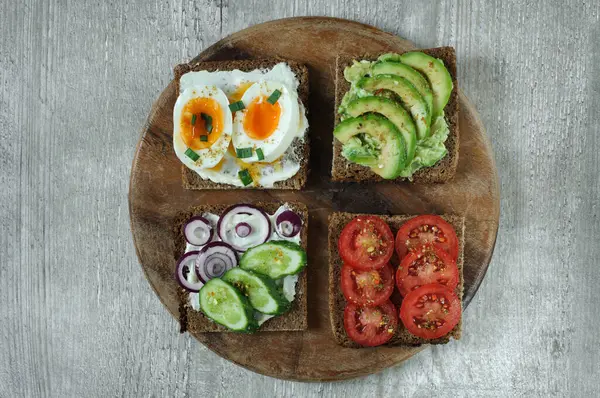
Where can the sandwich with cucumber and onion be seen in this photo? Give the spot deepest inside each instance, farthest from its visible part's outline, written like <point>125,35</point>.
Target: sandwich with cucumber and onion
<point>241,267</point>
<point>396,117</point>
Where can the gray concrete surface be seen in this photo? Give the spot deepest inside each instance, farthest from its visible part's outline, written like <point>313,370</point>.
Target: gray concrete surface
<point>77,79</point>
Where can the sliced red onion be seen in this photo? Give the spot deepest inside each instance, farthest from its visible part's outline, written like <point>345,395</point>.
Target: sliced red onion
<point>243,229</point>
<point>260,230</point>
<point>214,260</point>
<point>198,231</point>
<point>186,262</point>
<point>288,224</point>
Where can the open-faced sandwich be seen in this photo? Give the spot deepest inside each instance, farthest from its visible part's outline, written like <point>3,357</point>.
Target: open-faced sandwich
<point>242,124</point>
<point>395,280</point>
<point>396,117</point>
<point>241,267</point>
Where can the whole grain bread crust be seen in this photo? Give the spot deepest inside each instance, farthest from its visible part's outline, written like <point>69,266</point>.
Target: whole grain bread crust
<point>191,179</point>
<point>337,302</point>
<point>194,321</point>
<point>443,171</point>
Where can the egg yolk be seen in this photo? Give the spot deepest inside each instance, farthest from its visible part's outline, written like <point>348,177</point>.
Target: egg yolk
<point>194,125</point>
<point>261,118</point>
<point>239,92</point>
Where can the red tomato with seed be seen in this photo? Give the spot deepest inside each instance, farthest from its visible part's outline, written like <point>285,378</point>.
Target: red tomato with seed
<point>426,229</point>
<point>370,326</point>
<point>370,288</point>
<point>366,243</point>
<point>428,264</point>
<point>431,311</point>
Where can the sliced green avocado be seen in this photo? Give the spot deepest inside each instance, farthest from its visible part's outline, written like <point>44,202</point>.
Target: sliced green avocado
<point>436,73</point>
<point>372,140</point>
<point>389,94</point>
<point>392,57</point>
<point>409,96</point>
<point>405,71</point>
<point>394,112</point>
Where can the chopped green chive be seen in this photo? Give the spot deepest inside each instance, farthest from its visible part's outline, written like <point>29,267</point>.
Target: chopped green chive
<point>203,138</point>
<point>274,97</point>
<point>243,152</point>
<point>191,154</point>
<point>260,154</point>
<point>193,119</point>
<point>245,177</point>
<point>207,122</point>
<point>236,106</point>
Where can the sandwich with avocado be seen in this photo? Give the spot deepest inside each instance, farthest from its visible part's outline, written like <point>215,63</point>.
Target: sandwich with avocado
<point>396,117</point>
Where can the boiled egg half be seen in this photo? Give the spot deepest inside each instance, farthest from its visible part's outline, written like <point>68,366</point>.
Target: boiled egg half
<point>202,126</point>
<point>266,126</point>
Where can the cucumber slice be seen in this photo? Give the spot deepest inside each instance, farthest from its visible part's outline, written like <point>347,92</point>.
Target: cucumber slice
<point>262,291</point>
<point>275,259</point>
<point>225,305</point>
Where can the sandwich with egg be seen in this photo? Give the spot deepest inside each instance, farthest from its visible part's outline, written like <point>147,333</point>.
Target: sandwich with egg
<point>242,124</point>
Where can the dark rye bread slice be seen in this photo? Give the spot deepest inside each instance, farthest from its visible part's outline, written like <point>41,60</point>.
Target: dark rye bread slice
<point>195,321</point>
<point>191,180</point>
<point>337,302</point>
<point>444,170</point>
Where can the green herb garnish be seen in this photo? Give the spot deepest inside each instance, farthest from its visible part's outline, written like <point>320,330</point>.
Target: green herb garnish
<point>245,177</point>
<point>236,106</point>
<point>204,138</point>
<point>193,119</point>
<point>243,153</point>
<point>274,97</point>
<point>207,122</point>
<point>260,154</point>
<point>191,154</point>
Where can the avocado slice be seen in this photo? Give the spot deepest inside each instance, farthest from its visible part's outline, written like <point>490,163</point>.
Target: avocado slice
<point>393,57</point>
<point>436,73</point>
<point>372,140</point>
<point>405,71</point>
<point>409,96</point>
<point>395,114</point>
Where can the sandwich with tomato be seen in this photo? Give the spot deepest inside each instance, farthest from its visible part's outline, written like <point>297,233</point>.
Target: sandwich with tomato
<point>395,280</point>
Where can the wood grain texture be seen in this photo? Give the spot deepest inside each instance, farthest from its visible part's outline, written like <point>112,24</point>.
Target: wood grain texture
<point>156,195</point>
<point>77,317</point>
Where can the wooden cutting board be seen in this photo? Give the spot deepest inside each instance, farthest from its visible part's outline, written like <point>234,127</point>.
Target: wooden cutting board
<point>156,195</point>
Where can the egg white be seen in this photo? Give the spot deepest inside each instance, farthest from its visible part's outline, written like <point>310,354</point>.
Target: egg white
<point>208,157</point>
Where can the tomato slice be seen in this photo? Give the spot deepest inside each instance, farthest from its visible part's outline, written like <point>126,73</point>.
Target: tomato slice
<point>366,243</point>
<point>430,311</point>
<point>426,229</point>
<point>371,326</point>
<point>428,264</point>
<point>371,287</point>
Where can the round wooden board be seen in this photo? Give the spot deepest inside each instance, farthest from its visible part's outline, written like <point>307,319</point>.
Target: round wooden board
<point>156,195</point>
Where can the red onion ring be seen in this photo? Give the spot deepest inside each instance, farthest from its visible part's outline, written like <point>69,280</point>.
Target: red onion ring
<point>288,224</point>
<point>243,229</point>
<point>225,225</point>
<point>214,260</point>
<point>198,231</point>
<point>188,260</point>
